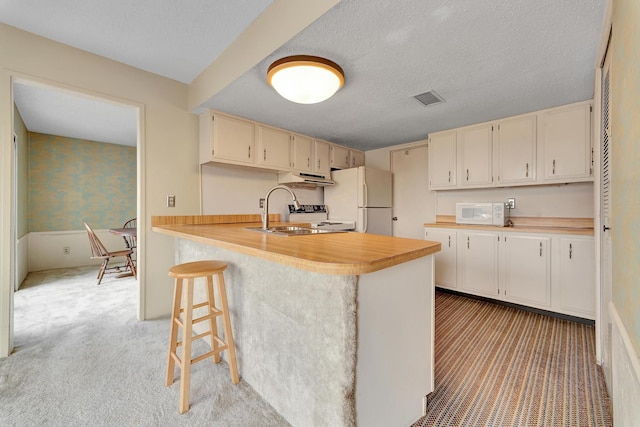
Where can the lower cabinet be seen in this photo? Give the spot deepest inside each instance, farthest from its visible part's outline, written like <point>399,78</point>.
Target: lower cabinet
<point>446,260</point>
<point>547,271</point>
<point>479,263</point>
<point>577,270</point>
<point>526,269</point>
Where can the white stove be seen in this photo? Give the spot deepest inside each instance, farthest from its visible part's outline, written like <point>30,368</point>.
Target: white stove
<point>317,216</point>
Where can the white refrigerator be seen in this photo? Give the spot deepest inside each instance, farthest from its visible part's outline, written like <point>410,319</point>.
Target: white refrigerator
<point>363,195</point>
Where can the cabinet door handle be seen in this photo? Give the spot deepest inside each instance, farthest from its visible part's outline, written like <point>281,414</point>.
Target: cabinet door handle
<point>249,151</point>
<point>468,243</point>
<point>449,241</point>
<point>449,176</point>
<point>540,248</point>
<point>553,171</point>
<point>308,165</point>
<point>527,172</point>
<point>570,250</point>
<point>467,174</point>
<point>264,154</point>
<point>318,163</point>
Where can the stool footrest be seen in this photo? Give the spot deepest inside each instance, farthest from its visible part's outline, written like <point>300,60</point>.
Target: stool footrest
<point>202,304</point>
<point>208,354</point>
<point>215,313</point>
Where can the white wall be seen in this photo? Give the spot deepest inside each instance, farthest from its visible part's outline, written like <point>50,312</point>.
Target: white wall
<point>235,189</point>
<point>168,162</point>
<point>46,249</point>
<point>566,200</point>
<point>22,261</point>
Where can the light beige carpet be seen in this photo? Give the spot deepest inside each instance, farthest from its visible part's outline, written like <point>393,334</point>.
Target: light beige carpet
<point>499,366</point>
<point>83,359</point>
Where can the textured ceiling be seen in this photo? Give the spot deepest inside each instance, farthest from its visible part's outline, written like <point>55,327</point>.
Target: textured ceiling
<point>488,59</point>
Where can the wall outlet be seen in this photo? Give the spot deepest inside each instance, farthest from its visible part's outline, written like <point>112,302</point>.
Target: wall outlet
<point>512,203</point>
<point>66,250</point>
<point>261,203</point>
<point>171,201</point>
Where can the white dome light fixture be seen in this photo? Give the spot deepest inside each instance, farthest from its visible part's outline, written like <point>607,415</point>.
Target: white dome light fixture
<point>305,79</point>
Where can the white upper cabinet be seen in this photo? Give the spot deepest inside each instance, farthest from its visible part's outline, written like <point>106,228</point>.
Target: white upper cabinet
<point>548,146</point>
<point>302,153</point>
<point>567,144</point>
<point>226,138</point>
<point>442,160</point>
<point>274,147</point>
<point>475,148</point>
<point>339,157</point>
<point>515,150</point>
<point>234,140</point>
<point>322,158</point>
<point>357,158</point>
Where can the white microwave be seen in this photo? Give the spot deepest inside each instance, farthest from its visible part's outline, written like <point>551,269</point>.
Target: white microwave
<point>482,214</point>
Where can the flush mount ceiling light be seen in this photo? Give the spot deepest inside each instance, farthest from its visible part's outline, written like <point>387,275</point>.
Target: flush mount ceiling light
<point>305,79</point>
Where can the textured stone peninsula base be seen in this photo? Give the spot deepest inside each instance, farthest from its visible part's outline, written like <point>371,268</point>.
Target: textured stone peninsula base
<point>325,349</point>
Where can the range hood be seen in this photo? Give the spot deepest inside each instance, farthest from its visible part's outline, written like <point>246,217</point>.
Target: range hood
<point>301,179</point>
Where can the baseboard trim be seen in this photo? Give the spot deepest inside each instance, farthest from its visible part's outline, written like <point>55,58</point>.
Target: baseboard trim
<point>522,307</point>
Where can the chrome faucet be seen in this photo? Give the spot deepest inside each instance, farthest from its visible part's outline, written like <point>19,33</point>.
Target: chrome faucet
<point>265,209</point>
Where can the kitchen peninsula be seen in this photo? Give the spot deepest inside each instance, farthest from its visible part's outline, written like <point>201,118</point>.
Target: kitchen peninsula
<point>333,329</point>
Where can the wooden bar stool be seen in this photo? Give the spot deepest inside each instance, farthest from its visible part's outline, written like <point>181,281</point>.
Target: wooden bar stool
<point>191,271</point>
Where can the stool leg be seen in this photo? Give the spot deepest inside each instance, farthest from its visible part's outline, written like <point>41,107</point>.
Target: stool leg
<point>185,374</point>
<point>213,322</point>
<point>228,335</point>
<point>173,336</point>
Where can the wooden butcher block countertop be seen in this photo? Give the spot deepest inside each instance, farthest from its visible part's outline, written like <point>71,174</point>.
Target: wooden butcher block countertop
<point>579,226</point>
<point>332,253</point>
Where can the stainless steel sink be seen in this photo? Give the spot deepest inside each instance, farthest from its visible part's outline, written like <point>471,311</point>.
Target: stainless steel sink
<point>290,230</point>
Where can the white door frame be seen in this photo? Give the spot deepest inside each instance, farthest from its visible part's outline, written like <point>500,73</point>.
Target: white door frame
<point>7,184</point>
<point>601,304</point>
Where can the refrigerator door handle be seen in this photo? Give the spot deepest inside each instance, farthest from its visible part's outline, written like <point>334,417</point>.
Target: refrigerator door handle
<point>365,190</point>
<point>364,220</point>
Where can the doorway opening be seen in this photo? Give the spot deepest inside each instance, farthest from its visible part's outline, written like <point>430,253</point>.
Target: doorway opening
<point>96,143</point>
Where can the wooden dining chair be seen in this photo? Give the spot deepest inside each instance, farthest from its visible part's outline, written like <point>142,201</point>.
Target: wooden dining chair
<point>99,251</point>
<point>130,241</point>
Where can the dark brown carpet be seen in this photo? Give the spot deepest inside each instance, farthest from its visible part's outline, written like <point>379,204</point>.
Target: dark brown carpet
<point>500,366</point>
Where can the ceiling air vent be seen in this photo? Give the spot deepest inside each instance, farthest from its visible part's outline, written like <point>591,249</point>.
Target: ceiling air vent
<point>429,98</point>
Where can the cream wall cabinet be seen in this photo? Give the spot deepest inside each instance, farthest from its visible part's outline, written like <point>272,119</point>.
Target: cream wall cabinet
<point>226,138</point>
<point>274,147</point>
<point>515,150</point>
<point>551,272</point>
<point>577,272</point>
<point>322,157</point>
<point>475,155</point>
<point>479,263</point>
<point>548,146</point>
<point>356,158</point>
<point>442,160</point>
<point>567,144</point>
<point>302,153</point>
<point>446,274</point>
<point>526,269</point>
<point>339,157</point>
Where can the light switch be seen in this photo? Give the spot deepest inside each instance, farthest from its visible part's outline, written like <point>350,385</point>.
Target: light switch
<point>171,201</point>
